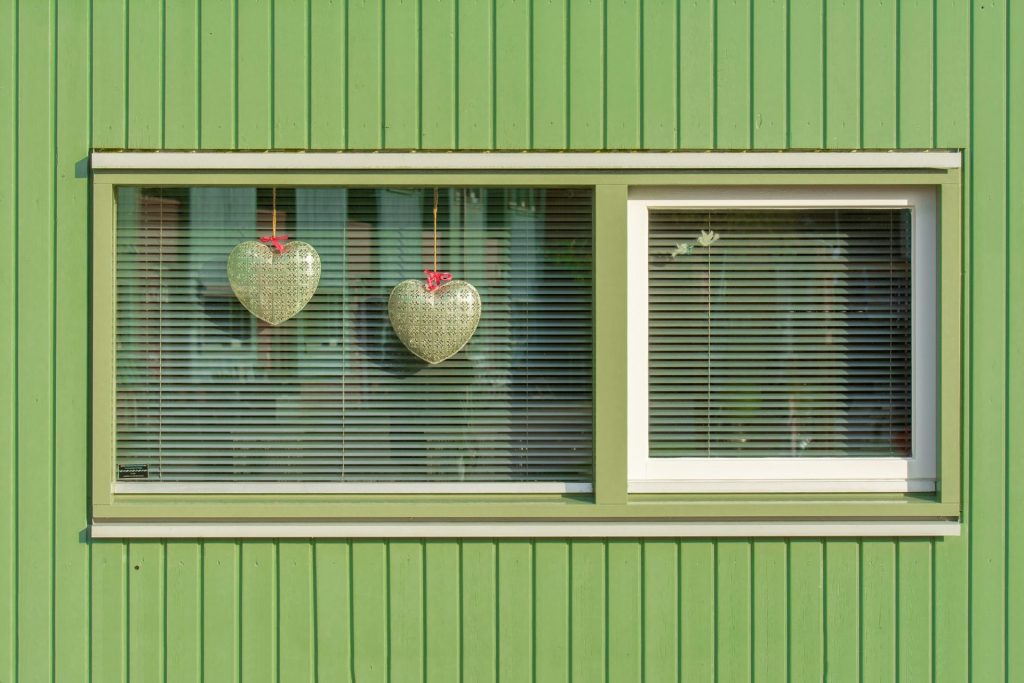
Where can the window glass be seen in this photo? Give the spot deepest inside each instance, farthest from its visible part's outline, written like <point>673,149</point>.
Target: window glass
<point>781,332</point>
<point>206,392</point>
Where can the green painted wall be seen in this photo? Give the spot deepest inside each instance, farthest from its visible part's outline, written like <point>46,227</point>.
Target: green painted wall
<point>730,74</point>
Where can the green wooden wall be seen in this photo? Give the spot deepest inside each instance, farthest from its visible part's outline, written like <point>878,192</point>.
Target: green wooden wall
<point>500,74</point>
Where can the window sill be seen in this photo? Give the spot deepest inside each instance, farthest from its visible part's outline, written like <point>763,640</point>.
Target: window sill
<point>562,516</point>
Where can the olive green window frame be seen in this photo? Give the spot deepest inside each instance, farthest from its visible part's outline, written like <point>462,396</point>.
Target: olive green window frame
<point>609,509</point>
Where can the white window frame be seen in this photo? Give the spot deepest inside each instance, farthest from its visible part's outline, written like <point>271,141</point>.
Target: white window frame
<point>789,474</point>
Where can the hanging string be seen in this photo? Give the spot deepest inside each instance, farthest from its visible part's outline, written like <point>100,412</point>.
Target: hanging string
<point>273,238</point>
<point>435,278</point>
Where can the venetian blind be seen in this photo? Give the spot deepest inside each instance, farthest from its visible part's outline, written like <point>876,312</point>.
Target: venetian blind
<point>788,336</point>
<point>206,392</point>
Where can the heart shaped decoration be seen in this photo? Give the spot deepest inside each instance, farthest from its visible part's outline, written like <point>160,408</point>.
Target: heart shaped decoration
<point>434,325</point>
<point>274,285</point>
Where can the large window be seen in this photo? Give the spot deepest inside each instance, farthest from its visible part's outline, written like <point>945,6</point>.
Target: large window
<point>759,343</point>
<point>211,398</point>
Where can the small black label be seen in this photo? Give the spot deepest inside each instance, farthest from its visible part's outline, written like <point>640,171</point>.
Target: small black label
<point>133,471</point>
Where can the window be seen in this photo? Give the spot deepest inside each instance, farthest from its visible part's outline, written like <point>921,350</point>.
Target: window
<point>210,398</point>
<point>671,344</point>
<point>794,352</point>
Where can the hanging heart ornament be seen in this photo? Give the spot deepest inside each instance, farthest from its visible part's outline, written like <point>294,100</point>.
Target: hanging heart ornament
<point>274,282</point>
<point>434,324</point>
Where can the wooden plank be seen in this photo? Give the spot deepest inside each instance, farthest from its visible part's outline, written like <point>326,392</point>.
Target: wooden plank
<point>109,122</point>
<point>475,86</point>
<point>551,610</point>
<point>181,75</point>
<point>512,92</point>
<point>952,73</point>
<point>259,601</point>
<point>661,609</point>
<point>769,645</point>
<point>807,69</point>
<point>109,653</point>
<point>588,610</point>
<point>842,74</point>
<point>878,91</point>
<point>327,54</point>
<point>217,115</point>
<point>146,600</point>
<point>806,622</point>
<point>364,63</point>
<point>369,611</point>
<point>183,614</point>
<point>437,64</point>
<point>295,618</point>
<point>696,75</point>
<point>986,512</point>
<point>401,75</point>
<point>441,591</point>
<point>952,114</point>
<point>334,633</point>
<point>770,87</point>
<point>660,78</point>
<point>625,606</point>
<point>913,610</point>
<point>1015,344</point>
<point>842,610</point>
<point>34,396</point>
<point>291,74</point>
<point>8,342</point>
<point>586,79</point>
<point>878,610</point>
<point>71,456</point>
<point>697,610</point>
<point>916,70</point>
<point>145,90</point>
<point>622,75</point>
<point>255,79</point>
<point>478,618</point>
<point>406,599</point>
<point>549,60</point>
<point>220,610</point>
<point>733,111</point>
<point>732,620</point>
<point>515,610</point>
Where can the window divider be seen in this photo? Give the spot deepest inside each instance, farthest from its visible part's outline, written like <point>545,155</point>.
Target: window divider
<point>610,350</point>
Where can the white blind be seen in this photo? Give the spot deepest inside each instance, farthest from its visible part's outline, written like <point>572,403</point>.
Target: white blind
<point>206,392</point>
<point>788,336</point>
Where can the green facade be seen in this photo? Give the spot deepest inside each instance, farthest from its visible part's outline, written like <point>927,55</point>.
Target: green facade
<point>534,74</point>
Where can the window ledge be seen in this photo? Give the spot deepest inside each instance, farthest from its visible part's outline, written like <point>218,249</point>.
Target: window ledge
<point>526,529</point>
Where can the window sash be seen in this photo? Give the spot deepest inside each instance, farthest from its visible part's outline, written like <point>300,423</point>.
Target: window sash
<point>916,473</point>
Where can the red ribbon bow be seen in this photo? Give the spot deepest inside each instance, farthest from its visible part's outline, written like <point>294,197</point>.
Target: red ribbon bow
<point>435,278</point>
<point>276,241</point>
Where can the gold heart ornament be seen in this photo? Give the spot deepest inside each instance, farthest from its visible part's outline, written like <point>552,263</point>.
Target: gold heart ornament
<point>274,285</point>
<point>434,325</point>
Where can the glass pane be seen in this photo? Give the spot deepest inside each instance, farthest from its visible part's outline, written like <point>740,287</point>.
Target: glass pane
<point>788,335</point>
<point>207,392</point>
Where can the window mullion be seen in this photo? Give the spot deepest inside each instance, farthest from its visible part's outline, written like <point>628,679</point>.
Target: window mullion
<point>610,351</point>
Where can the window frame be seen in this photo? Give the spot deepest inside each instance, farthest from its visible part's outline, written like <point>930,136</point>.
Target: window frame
<point>610,510</point>
<point>916,473</point>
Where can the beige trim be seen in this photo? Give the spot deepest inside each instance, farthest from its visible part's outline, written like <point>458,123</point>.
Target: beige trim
<point>504,161</point>
<point>575,529</point>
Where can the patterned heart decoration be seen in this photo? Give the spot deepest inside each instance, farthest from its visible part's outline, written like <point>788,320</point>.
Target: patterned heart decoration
<point>274,283</point>
<point>434,324</point>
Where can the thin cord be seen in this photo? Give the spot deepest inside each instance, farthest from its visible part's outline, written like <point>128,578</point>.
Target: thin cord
<point>273,212</point>
<point>435,229</point>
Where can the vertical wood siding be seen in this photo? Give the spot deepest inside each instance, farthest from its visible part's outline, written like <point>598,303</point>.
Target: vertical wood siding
<point>515,74</point>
